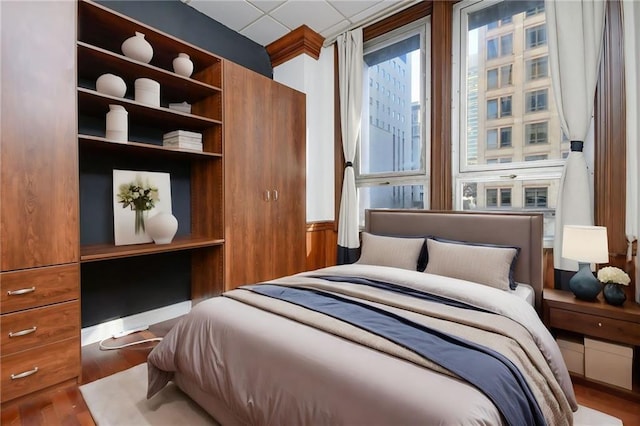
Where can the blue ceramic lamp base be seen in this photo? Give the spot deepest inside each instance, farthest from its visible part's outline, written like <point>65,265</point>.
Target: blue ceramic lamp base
<point>584,284</point>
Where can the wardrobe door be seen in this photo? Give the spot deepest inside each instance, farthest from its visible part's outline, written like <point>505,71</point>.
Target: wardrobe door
<point>38,140</point>
<point>247,132</point>
<point>288,177</point>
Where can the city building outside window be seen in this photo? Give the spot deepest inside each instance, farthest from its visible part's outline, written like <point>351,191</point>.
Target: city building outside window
<point>519,122</point>
<point>392,161</point>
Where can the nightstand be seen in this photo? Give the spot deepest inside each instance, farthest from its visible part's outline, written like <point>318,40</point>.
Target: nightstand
<point>615,324</point>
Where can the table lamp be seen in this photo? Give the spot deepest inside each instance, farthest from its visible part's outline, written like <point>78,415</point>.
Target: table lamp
<point>587,245</point>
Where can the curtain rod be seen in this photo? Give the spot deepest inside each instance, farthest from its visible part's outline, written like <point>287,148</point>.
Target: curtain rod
<point>400,5</point>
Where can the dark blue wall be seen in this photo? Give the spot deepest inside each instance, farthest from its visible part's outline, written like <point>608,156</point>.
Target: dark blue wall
<point>183,21</point>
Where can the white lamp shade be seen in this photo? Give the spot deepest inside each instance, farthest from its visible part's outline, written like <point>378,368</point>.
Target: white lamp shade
<point>587,244</point>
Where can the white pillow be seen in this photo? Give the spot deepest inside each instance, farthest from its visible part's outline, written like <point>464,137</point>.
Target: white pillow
<point>390,251</point>
<point>480,264</point>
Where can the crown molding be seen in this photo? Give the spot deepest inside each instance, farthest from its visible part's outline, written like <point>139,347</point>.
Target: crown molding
<point>301,40</point>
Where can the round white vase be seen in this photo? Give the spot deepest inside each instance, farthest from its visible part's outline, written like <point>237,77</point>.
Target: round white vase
<point>117,123</point>
<point>111,84</point>
<point>137,48</point>
<point>162,227</point>
<point>183,65</point>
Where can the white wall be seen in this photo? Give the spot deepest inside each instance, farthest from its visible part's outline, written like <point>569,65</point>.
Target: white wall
<point>315,79</point>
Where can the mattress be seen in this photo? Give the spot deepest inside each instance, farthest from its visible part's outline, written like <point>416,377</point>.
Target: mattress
<point>248,363</point>
<point>526,292</point>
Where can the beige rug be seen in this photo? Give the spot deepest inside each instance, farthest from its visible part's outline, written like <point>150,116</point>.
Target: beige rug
<point>120,400</point>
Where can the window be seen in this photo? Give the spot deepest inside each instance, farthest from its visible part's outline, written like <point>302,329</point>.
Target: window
<point>536,133</point>
<point>536,100</point>
<point>492,109</point>
<point>391,162</point>
<point>492,48</point>
<point>535,197</point>
<point>492,139</point>
<point>537,68</point>
<point>498,197</point>
<point>492,78</point>
<point>508,153</point>
<point>534,10</point>
<point>506,45</point>
<point>536,36</point>
<point>505,138</point>
<point>503,111</point>
<point>505,75</point>
<point>505,106</point>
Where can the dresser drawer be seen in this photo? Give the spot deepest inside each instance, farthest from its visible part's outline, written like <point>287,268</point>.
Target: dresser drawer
<point>40,326</point>
<point>39,368</point>
<point>596,326</point>
<point>31,288</point>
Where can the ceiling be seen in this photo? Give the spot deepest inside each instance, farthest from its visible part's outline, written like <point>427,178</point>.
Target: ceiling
<point>265,21</point>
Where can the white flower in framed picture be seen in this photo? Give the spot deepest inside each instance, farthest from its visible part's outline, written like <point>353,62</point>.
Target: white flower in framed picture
<point>138,195</point>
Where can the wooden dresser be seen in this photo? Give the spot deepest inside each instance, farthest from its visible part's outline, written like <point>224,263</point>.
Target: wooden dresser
<point>39,230</point>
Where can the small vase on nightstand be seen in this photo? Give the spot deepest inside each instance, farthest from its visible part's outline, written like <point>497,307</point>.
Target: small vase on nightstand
<point>614,294</point>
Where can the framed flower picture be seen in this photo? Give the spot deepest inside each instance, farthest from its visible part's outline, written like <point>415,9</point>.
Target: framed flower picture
<point>138,195</point>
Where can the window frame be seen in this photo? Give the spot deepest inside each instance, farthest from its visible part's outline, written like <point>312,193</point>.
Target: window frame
<point>422,175</point>
<point>487,175</point>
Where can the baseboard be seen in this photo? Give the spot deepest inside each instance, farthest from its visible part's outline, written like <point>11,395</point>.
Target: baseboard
<point>101,331</point>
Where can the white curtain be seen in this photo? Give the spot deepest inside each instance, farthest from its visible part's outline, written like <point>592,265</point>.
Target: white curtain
<point>350,80</point>
<point>631,20</point>
<point>574,32</point>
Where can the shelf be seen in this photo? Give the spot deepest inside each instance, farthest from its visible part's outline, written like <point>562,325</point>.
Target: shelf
<point>99,142</point>
<point>94,61</point>
<point>106,28</point>
<point>94,103</point>
<point>95,253</point>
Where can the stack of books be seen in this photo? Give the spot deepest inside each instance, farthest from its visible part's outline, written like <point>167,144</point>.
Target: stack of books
<point>183,139</point>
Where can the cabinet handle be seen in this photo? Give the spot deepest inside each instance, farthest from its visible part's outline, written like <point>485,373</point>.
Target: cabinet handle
<point>24,374</point>
<point>599,324</point>
<point>267,195</point>
<point>21,291</point>
<point>275,195</point>
<point>23,332</point>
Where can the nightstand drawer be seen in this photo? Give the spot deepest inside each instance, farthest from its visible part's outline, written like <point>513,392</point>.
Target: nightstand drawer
<point>594,325</point>
<point>39,368</point>
<point>38,287</point>
<point>36,327</point>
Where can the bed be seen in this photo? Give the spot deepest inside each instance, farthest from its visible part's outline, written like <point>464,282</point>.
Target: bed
<point>381,341</point>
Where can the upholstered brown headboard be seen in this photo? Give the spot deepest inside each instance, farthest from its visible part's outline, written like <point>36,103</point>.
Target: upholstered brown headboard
<point>522,230</point>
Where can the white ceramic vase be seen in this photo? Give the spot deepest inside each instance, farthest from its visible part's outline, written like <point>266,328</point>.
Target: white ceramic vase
<point>162,227</point>
<point>147,91</point>
<point>112,85</point>
<point>182,65</point>
<point>137,48</point>
<point>117,123</point>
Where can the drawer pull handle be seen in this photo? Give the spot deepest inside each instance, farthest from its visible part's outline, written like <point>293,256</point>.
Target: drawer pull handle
<point>23,332</point>
<point>599,324</point>
<point>21,291</point>
<point>24,374</point>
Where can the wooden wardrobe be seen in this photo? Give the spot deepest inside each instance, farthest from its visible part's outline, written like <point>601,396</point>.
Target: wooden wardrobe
<point>39,230</point>
<point>264,173</point>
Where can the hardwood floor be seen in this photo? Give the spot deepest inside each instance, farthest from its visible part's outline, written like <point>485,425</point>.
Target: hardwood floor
<point>66,407</point>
